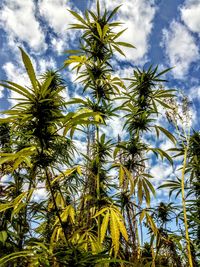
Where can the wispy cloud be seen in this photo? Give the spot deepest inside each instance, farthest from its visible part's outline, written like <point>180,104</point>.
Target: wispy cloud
<point>180,48</point>
<point>190,14</point>
<point>18,20</point>
<point>58,18</point>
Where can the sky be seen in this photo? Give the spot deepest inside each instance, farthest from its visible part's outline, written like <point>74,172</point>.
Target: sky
<point>164,32</point>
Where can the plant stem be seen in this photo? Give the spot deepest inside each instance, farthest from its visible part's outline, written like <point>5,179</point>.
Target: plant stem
<point>184,207</point>
<point>55,205</point>
<point>153,257</point>
<point>98,188</point>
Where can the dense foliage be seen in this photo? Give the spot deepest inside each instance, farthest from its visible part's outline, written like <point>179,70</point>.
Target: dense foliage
<point>97,207</point>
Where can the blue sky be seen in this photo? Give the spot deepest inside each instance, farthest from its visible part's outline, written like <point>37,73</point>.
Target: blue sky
<point>165,32</point>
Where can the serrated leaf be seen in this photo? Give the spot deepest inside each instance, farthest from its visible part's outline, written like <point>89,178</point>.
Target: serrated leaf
<point>21,88</point>
<point>125,44</point>
<point>99,29</point>
<point>100,212</point>
<point>3,236</point>
<point>119,50</point>
<point>105,29</point>
<point>142,214</point>
<point>29,68</point>
<point>113,13</point>
<point>122,229</point>
<point>166,133</point>
<point>78,17</point>
<point>121,175</point>
<point>114,229</point>
<point>104,226</point>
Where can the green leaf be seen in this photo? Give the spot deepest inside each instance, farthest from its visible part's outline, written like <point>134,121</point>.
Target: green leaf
<point>142,214</point>
<point>164,71</point>
<point>12,256</point>
<point>118,50</point>
<point>16,90</point>
<point>121,175</point>
<point>140,191</point>
<point>150,186</point>
<point>119,34</point>
<point>162,154</point>
<point>163,104</point>
<point>46,85</point>
<point>72,51</point>
<point>98,9</point>
<point>105,29</point>
<point>99,29</point>
<point>77,26</point>
<point>17,209</point>
<point>104,226</point>
<point>21,88</point>
<point>125,44</point>
<point>167,133</point>
<point>122,228</point>
<point>147,193</point>
<point>100,212</point>
<point>29,68</point>
<point>113,13</point>
<point>151,223</point>
<point>78,17</point>
<point>114,229</point>
<point>3,236</point>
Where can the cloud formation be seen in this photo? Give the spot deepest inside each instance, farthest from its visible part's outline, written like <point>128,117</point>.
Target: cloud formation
<point>180,48</point>
<point>190,14</point>
<point>18,20</point>
<point>59,19</point>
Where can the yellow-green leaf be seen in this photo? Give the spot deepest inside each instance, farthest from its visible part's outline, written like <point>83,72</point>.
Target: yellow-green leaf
<point>114,230</point>
<point>122,229</point>
<point>3,236</point>
<point>104,226</point>
<point>29,68</point>
<point>99,29</point>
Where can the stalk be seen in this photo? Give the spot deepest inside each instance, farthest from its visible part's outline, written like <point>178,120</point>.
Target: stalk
<point>55,205</point>
<point>138,241</point>
<point>153,257</point>
<point>98,189</point>
<point>183,190</point>
<point>184,207</point>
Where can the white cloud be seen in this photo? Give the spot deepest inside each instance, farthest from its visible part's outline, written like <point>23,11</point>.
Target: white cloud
<point>45,64</point>
<point>180,48</point>
<point>160,172</point>
<point>167,144</point>
<point>5,179</point>
<point>114,127</point>
<point>12,71</point>
<point>59,19</point>
<point>190,14</point>
<point>1,92</point>
<point>55,12</point>
<point>39,194</point>
<point>18,19</point>
<point>58,45</point>
<point>137,16</point>
<point>195,93</point>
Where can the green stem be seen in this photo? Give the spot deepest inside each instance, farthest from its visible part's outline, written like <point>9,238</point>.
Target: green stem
<point>55,205</point>
<point>184,207</point>
<point>98,188</point>
<point>153,257</point>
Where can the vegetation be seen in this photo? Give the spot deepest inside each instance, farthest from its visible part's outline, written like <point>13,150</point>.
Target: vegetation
<point>97,209</point>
